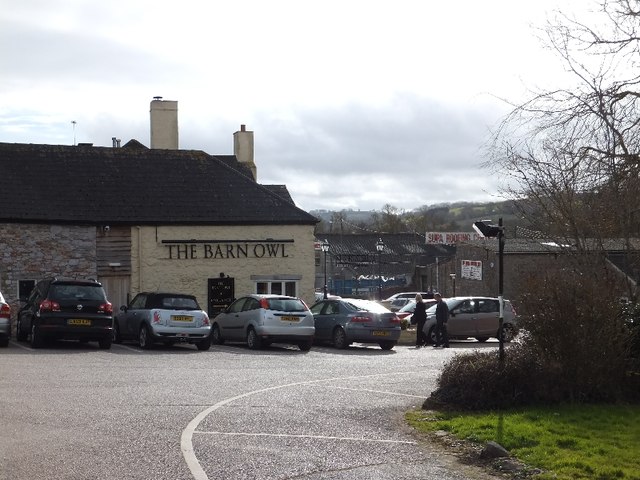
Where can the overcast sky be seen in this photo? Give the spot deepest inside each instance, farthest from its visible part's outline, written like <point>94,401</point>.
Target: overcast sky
<point>353,103</point>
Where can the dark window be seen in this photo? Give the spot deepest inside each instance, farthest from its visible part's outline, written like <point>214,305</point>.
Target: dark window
<point>25,287</point>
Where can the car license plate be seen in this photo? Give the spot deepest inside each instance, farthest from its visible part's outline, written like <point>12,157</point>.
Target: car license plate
<point>380,333</point>
<point>290,318</point>
<point>181,318</point>
<point>79,321</point>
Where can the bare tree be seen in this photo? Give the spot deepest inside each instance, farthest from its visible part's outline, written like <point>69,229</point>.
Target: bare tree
<point>574,152</point>
<point>573,156</point>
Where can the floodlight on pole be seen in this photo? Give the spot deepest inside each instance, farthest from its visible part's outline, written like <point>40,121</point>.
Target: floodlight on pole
<point>485,229</point>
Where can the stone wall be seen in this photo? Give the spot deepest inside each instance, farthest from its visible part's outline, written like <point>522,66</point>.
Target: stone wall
<point>32,252</point>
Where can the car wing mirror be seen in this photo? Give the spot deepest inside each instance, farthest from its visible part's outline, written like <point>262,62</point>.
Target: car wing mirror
<point>123,308</point>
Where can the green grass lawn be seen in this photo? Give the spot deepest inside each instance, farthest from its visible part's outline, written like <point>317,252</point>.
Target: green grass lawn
<point>599,442</point>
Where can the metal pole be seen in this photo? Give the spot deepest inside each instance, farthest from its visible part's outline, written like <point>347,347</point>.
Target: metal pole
<point>325,293</point>
<point>500,289</point>
<point>379,276</point>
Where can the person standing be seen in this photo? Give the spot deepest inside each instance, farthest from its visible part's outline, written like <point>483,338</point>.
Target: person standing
<point>442,316</point>
<point>420,317</point>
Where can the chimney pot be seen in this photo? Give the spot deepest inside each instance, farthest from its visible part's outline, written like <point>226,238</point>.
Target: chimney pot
<point>243,128</point>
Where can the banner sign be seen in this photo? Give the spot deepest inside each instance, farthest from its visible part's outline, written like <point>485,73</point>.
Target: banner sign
<point>450,238</point>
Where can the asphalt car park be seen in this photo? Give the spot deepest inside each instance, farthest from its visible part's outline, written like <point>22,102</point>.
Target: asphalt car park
<point>231,412</point>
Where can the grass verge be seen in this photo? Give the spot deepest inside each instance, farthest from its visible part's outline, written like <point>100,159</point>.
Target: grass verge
<point>567,442</point>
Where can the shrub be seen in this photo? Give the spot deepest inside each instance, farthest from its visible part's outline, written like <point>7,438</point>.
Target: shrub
<point>578,345</point>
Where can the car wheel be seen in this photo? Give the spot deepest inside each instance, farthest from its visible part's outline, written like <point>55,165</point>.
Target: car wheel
<point>340,338</point>
<point>144,338</point>
<point>508,332</point>
<point>105,343</point>
<point>205,344</point>
<point>36,337</point>
<point>216,336</point>
<point>482,339</point>
<point>21,335</point>
<point>4,341</point>
<point>431,336</point>
<point>116,337</point>
<point>253,340</point>
<point>388,345</point>
<point>306,345</point>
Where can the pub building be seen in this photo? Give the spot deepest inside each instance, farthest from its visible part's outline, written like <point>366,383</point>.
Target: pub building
<point>151,219</point>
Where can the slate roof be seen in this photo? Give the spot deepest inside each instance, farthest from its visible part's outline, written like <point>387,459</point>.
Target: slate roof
<point>136,186</point>
<point>546,246</point>
<point>402,251</point>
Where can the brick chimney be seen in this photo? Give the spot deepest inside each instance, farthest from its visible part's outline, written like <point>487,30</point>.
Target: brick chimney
<point>243,149</point>
<point>164,124</point>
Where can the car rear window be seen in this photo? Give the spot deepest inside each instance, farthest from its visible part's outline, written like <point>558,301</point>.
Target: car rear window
<point>367,305</point>
<point>179,303</point>
<point>286,305</point>
<point>67,291</point>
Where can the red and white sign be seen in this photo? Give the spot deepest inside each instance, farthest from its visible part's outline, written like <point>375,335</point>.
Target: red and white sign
<point>471,269</point>
<point>450,238</point>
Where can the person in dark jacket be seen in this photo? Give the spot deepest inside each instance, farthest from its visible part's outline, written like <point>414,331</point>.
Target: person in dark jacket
<point>442,316</point>
<point>420,317</point>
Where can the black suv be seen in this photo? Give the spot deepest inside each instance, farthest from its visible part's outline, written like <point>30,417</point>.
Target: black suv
<point>64,308</point>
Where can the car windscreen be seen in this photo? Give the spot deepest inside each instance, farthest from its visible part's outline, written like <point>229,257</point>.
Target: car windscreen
<point>286,305</point>
<point>409,307</point>
<point>451,302</point>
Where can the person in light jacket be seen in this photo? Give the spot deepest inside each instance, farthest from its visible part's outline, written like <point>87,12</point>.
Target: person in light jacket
<point>442,316</point>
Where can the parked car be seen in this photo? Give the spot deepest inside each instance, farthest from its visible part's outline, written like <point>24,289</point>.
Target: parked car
<point>409,295</point>
<point>5,322</point>
<point>347,320</point>
<point>165,317</point>
<point>406,312</point>
<point>65,308</point>
<point>396,304</point>
<point>398,300</point>
<point>476,317</point>
<point>260,320</point>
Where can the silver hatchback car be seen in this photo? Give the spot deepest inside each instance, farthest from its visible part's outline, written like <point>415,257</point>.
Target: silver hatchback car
<point>260,320</point>
<point>476,317</point>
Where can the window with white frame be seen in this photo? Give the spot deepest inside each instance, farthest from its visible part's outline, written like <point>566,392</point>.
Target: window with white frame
<point>278,287</point>
<point>277,284</point>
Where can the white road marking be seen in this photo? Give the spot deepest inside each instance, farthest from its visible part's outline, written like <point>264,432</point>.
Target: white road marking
<point>186,440</point>
<point>320,437</point>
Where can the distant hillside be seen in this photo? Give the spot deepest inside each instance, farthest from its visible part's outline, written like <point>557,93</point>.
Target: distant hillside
<point>457,216</point>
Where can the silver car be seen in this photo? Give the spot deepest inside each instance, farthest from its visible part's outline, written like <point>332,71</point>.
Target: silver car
<point>163,317</point>
<point>5,322</point>
<point>476,317</point>
<point>259,320</point>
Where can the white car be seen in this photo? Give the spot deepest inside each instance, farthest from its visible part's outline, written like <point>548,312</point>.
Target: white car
<point>259,320</point>
<point>409,295</point>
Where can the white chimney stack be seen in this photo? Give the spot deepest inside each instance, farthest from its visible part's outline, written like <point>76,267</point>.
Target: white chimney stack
<point>164,124</point>
<point>243,149</point>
